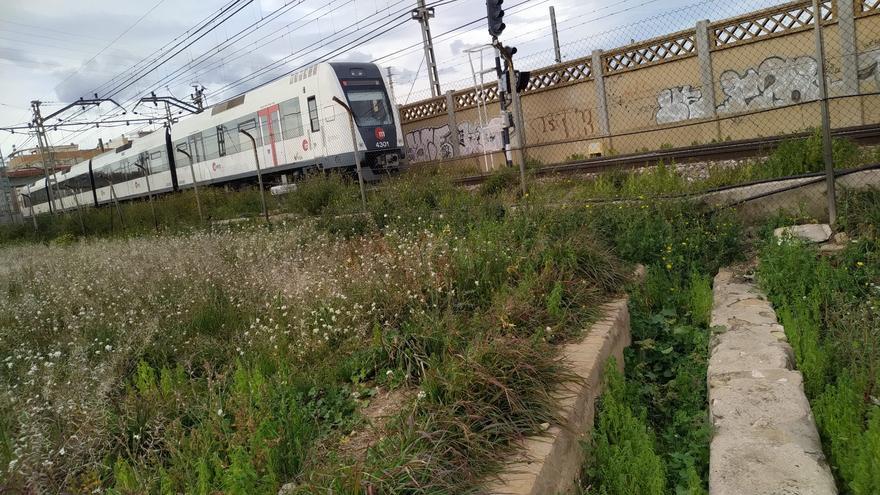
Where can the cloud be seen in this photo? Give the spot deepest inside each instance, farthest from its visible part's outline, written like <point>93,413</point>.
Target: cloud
<point>22,58</point>
<point>354,56</point>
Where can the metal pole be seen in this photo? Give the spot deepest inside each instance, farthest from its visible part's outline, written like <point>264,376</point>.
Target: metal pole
<point>41,143</point>
<point>31,206</point>
<point>195,182</point>
<point>79,214</point>
<point>259,174</point>
<point>827,151</point>
<point>511,84</point>
<point>422,14</point>
<point>354,145</point>
<point>502,100</point>
<point>391,85</point>
<point>116,202</point>
<point>555,35</point>
<point>149,194</point>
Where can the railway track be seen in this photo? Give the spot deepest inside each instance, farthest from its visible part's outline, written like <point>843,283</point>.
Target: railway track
<point>730,150</point>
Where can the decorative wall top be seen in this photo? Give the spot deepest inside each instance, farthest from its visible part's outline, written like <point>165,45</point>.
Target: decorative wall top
<point>547,77</point>
<point>787,18</point>
<point>867,6</point>
<point>794,16</point>
<point>653,51</point>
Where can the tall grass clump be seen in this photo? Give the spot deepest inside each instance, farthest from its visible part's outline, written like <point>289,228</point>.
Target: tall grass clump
<point>623,458</point>
<point>483,354</point>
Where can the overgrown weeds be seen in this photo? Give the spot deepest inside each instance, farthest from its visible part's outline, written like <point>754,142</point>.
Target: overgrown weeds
<point>655,416</point>
<point>828,307</point>
<point>234,360</point>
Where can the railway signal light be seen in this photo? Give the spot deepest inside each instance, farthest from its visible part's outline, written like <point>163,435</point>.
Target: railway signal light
<point>495,15</point>
<point>522,80</point>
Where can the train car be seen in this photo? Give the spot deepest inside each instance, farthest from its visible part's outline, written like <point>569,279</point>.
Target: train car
<point>296,126</point>
<point>134,170</point>
<point>296,123</point>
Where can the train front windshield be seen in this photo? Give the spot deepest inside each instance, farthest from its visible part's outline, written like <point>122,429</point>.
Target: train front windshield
<point>370,106</point>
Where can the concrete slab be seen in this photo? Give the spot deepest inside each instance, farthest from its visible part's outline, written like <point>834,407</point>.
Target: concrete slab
<point>765,439</point>
<point>550,464</point>
<point>810,232</point>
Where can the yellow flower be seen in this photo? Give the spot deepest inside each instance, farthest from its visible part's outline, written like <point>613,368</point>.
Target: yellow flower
<point>669,266</point>
<point>859,263</point>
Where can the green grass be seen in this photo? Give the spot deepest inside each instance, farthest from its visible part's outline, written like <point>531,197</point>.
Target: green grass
<point>656,414</point>
<point>200,390</point>
<point>791,157</point>
<point>828,307</point>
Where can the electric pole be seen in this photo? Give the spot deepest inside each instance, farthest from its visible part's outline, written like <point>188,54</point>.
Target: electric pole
<point>422,14</point>
<point>556,50</point>
<point>42,143</point>
<point>391,85</point>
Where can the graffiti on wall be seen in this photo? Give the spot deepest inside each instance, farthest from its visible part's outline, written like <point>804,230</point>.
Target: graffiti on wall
<point>774,82</point>
<point>437,143</point>
<point>571,123</point>
<point>680,103</point>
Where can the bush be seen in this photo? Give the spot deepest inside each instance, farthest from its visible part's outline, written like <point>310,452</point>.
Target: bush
<point>827,307</point>
<point>622,454</point>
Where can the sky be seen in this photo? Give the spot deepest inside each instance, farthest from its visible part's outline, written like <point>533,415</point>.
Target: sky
<point>57,51</point>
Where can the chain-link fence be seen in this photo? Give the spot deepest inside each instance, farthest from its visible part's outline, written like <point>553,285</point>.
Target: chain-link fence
<point>730,109</point>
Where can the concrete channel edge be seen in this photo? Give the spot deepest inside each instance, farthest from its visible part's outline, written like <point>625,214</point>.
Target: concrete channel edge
<point>550,464</point>
<point>764,436</point>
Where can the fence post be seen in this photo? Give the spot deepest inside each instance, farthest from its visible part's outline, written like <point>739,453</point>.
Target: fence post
<point>453,124</point>
<point>707,76</point>
<point>826,118</point>
<point>846,23</point>
<point>707,73</point>
<point>598,73</point>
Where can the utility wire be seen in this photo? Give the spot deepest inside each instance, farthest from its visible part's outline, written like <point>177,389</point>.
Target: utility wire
<point>208,55</point>
<point>324,42</point>
<point>108,45</point>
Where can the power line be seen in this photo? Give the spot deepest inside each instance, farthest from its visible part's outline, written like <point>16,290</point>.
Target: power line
<point>43,28</point>
<point>214,51</point>
<point>133,79</point>
<point>156,56</point>
<point>399,52</point>
<point>108,45</point>
<point>338,36</point>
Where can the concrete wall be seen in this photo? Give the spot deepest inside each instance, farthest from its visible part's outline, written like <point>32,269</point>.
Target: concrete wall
<point>746,77</point>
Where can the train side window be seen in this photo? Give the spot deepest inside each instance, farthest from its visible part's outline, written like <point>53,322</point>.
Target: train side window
<point>291,118</point>
<point>221,140</point>
<point>209,146</point>
<point>158,162</point>
<point>313,114</point>
<point>40,196</point>
<point>197,147</point>
<point>249,125</point>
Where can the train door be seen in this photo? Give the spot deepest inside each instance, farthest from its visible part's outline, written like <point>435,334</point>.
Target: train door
<point>196,145</point>
<point>272,136</point>
<point>316,139</point>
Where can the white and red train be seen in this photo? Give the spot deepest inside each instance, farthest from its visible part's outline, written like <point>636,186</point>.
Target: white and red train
<point>296,124</point>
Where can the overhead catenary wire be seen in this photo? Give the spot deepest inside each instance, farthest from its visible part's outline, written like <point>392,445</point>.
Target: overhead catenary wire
<point>137,70</point>
<point>249,0</point>
<point>214,51</point>
<point>111,43</point>
<point>339,50</point>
